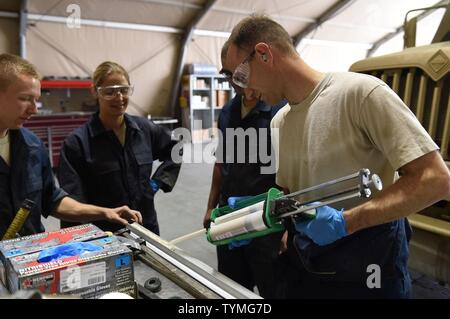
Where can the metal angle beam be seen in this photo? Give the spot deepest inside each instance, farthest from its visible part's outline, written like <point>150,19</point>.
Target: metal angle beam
<point>174,274</point>
<point>327,15</point>
<point>214,283</point>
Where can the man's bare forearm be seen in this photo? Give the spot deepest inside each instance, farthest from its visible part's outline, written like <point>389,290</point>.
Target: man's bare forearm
<point>214,192</point>
<point>69,209</point>
<point>74,211</point>
<point>423,182</point>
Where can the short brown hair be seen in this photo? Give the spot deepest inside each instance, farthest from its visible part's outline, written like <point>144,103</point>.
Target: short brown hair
<point>11,66</point>
<point>223,52</point>
<point>260,28</point>
<point>106,68</point>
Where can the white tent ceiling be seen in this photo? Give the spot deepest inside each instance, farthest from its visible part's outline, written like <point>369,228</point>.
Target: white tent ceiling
<point>147,36</point>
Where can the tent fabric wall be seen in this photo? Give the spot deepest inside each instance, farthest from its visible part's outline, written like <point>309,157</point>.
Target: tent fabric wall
<point>129,11</point>
<point>203,49</point>
<point>319,57</point>
<point>10,5</point>
<point>292,14</point>
<point>227,22</point>
<point>426,29</point>
<point>9,28</point>
<point>151,56</point>
<point>9,35</point>
<point>147,56</point>
<point>374,18</point>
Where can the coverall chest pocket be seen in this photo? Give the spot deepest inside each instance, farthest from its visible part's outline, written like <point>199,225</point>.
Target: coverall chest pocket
<point>107,173</point>
<point>145,163</point>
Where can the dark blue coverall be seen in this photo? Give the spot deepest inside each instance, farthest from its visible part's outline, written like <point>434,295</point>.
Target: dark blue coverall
<point>340,269</point>
<point>253,264</point>
<point>96,169</point>
<point>30,176</point>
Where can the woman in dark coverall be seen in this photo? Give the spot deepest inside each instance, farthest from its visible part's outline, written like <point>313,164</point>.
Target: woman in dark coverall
<point>108,161</point>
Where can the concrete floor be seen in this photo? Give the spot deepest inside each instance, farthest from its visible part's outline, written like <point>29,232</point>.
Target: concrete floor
<point>181,212</point>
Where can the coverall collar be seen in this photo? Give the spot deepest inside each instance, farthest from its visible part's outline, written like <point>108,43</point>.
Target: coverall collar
<point>96,127</point>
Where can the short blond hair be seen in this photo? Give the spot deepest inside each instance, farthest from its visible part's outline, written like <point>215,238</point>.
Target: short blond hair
<point>260,28</point>
<point>106,68</point>
<point>11,66</point>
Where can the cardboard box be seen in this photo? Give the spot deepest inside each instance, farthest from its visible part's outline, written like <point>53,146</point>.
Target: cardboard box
<point>222,98</point>
<point>196,136</point>
<point>88,275</point>
<point>37,242</point>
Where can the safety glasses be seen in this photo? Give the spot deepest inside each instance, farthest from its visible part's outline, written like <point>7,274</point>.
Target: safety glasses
<point>110,92</point>
<point>241,75</point>
<point>227,74</point>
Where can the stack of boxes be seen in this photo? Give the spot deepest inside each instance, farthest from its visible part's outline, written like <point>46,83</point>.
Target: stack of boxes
<point>88,274</point>
<point>222,97</point>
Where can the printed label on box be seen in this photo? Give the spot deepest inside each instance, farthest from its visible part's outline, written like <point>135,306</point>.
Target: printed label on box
<point>82,276</point>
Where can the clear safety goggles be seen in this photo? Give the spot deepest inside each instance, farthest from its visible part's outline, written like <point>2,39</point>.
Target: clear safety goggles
<point>110,92</point>
<point>227,75</point>
<point>241,75</point>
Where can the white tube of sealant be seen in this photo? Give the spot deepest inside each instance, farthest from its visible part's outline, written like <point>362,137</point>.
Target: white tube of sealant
<point>239,213</point>
<point>238,226</point>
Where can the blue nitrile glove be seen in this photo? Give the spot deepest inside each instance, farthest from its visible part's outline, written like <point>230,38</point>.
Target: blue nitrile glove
<point>154,185</point>
<point>327,227</point>
<point>238,243</point>
<point>66,250</point>
<point>232,201</point>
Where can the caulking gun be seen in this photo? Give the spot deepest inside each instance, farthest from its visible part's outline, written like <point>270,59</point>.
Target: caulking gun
<point>263,214</point>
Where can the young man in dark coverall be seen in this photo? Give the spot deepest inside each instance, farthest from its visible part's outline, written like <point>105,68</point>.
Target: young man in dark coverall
<point>25,170</point>
<point>253,263</point>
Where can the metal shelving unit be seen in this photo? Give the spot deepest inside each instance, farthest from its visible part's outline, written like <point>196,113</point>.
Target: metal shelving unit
<point>204,97</point>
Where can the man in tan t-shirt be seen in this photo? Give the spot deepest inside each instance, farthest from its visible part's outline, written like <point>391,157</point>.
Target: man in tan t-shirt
<point>334,125</point>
